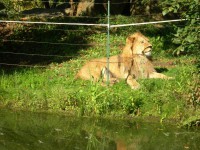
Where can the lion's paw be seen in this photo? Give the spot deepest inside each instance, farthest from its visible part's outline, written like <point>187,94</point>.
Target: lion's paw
<point>170,78</point>
<point>135,87</point>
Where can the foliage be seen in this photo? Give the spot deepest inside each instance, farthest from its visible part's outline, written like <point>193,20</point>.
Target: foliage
<point>13,7</point>
<point>186,37</point>
<point>8,5</point>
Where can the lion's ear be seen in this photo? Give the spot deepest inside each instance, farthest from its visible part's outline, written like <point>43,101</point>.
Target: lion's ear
<point>130,40</point>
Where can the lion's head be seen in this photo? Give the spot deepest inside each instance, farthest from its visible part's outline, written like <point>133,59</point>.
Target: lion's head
<point>138,44</point>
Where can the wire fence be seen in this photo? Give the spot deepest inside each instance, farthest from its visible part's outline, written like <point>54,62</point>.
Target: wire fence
<point>106,26</point>
<point>90,2</point>
<point>90,24</point>
<point>53,43</point>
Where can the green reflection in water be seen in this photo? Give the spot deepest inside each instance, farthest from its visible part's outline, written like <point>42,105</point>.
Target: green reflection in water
<point>35,131</point>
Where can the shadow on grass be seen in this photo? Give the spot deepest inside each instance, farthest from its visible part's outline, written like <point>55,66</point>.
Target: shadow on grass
<point>36,44</point>
<point>160,70</point>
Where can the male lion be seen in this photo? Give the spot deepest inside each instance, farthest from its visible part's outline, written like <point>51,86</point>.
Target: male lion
<point>131,64</point>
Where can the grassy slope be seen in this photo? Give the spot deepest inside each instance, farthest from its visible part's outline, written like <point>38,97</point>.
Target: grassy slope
<point>54,88</point>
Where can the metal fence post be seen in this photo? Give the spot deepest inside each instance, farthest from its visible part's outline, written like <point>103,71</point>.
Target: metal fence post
<point>108,43</point>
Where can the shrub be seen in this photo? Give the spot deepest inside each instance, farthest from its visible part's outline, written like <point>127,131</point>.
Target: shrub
<point>186,36</point>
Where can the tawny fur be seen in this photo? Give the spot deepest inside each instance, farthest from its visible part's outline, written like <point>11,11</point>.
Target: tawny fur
<point>130,65</point>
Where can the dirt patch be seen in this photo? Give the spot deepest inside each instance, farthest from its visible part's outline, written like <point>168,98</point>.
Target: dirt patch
<point>172,63</point>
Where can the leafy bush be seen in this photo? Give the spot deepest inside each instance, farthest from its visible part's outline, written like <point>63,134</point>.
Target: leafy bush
<point>13,7</point>
<point>186,37</point>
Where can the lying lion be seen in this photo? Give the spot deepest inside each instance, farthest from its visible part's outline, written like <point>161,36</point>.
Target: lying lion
<point>133,63</point>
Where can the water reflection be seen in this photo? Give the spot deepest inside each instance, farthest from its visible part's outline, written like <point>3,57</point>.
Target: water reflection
<point>22,130</point>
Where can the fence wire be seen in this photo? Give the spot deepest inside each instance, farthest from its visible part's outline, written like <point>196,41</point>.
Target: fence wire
<point>53,43</point>
<point>21,65</point>
<point>72,2</point>
<point>72,24</point>
<point>40,55</point>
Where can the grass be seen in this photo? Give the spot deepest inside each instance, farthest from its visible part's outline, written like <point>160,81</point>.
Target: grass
<point>54,88</point>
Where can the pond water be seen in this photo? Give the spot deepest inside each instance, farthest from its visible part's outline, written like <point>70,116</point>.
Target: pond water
<point>40,131</point>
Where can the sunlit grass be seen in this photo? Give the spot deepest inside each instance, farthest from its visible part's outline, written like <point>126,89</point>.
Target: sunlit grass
<point>55,89</point>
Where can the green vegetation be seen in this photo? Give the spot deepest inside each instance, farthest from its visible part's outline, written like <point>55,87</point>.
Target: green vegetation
<point>54,88</point>
<point>187,37</point>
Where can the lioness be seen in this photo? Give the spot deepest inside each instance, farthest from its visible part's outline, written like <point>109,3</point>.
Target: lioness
<point>131,64</point>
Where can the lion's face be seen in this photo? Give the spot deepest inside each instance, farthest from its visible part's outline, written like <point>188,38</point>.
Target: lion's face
<point>140,44</point>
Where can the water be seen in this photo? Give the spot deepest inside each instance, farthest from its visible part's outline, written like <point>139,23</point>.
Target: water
<point>39,131</point>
